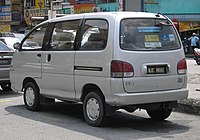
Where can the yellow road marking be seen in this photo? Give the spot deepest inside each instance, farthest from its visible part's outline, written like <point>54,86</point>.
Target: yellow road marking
<point>3,101</point>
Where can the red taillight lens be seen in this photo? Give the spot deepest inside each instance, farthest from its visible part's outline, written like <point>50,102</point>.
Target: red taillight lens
<point>120,69</point>
<point>182,66</point>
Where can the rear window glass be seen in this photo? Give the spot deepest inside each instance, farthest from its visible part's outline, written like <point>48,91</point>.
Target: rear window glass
<point>148,34</point>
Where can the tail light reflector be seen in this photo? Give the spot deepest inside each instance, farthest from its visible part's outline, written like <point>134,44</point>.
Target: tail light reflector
<point>182,66</point>
<point>120,69</point>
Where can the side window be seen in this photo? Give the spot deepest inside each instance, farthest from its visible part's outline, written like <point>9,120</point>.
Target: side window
<point>35,39</point>
<point>63,36</point>
<point>95,34</point>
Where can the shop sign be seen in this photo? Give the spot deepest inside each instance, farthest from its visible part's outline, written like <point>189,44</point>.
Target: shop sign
<point>57,7</point>
<point>68,9</point>
<point>7,2</point>
<point>188,26</point>
<point>15,23</point>
<point>16,8</point>
<point>16,1</point>
<point>5,28</point>
<point>28,13</point>
<point>5,17</point>
<point>39,3</point>
<point>184,26</point>
<point>109,7</point>
<point>37,12</point>
<point>5,9</point>
<point>83,8</point>
<point>150,2</point>
<point>16,16</point>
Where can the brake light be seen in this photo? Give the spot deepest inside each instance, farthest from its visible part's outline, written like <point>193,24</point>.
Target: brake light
<point>182,66</point>
<point>120,69</point>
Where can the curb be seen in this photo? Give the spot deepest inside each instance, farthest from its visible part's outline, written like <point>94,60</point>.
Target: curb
<point>190,106</point>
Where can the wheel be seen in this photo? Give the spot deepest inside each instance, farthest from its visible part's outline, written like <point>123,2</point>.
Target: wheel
<point>94,109</point>
<point>159,114</point>
<point>198,62</point>
<point>6,87</point>
<point>31,96</point>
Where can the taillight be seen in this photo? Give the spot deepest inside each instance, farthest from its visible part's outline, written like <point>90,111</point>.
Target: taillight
<point>182,66</point>
<point>120,69</point>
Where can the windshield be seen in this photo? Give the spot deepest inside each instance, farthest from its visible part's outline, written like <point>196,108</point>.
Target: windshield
<point>3,47</point>
<point>148,34</point>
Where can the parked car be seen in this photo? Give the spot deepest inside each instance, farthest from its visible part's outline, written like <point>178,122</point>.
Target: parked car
<point>19,35</point>
<point>6,54</point>
<point>7,34</point>
<point>106,61</point>
<point>9,41</point>
<point>24,30</point>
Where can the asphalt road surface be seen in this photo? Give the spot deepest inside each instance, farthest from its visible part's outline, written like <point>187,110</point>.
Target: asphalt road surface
<point>61,121</point>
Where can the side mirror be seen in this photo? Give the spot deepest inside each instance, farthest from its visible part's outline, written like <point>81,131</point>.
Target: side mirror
<point>16,46</point>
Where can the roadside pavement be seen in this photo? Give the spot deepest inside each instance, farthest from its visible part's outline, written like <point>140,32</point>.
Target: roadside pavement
<point>191,105</point>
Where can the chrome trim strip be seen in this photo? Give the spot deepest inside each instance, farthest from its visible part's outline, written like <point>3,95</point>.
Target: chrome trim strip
<point>88,68</point>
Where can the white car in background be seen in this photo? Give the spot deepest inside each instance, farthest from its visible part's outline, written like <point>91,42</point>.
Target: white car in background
<point>10,41</point>
<point>19,35</point>
<point>6,54</point>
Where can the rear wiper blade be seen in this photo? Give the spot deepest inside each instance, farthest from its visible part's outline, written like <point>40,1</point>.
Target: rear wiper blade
<point>165,23</point>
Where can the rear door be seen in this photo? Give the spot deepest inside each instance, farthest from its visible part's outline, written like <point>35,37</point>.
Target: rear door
<point>152,47</point>
<point>93,56</point>
<point>58,61</point>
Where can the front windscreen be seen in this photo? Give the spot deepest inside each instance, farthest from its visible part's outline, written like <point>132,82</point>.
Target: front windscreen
<point>148,34</point>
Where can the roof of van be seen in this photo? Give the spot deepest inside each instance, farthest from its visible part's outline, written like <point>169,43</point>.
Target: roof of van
<point>114,14</point>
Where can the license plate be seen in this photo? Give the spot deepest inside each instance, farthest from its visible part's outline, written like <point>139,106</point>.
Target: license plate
<point>3,62</point>
<point>161,69</point>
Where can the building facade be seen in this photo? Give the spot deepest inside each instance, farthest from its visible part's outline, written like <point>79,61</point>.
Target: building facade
<point>186,14</point>
<point>36,11</point>
<point>15,14</point>
<point>11,15</point>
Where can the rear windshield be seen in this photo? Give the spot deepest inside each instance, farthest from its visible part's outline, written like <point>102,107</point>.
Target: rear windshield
<point>148,34</point>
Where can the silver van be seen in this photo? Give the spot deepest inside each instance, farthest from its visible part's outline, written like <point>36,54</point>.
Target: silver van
<point>107,61</point>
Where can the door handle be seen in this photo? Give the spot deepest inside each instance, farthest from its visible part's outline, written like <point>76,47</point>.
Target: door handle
<point>48,57</point>
<point>39,55</point>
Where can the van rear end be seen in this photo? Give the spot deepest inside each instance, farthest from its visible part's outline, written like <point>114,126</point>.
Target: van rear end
<point>149,64</point>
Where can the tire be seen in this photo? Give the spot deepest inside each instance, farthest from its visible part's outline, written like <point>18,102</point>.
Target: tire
<point>6,87</point>
<point>198,62</point>
<point>159,114</point>
<point>31,96</point>
<point>94,109</point>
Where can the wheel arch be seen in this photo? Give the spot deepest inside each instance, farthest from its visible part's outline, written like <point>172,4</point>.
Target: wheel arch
<point>29,79</point>
<point>91,87</point>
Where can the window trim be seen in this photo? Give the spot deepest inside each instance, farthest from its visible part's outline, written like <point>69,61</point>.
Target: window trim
<point>82,32</point>
<point>35,28</point>
<point>52,25</point>
<point>147,18</point>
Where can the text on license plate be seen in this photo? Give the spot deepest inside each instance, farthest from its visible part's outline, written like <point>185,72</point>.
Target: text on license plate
<point>161,69</point>
<point>2,62</point>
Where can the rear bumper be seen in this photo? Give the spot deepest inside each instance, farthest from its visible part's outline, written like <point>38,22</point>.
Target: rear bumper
<point>149,97</point>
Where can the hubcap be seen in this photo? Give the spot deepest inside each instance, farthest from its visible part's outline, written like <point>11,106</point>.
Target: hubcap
<point>93,109</point>
<point>30,97</point>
